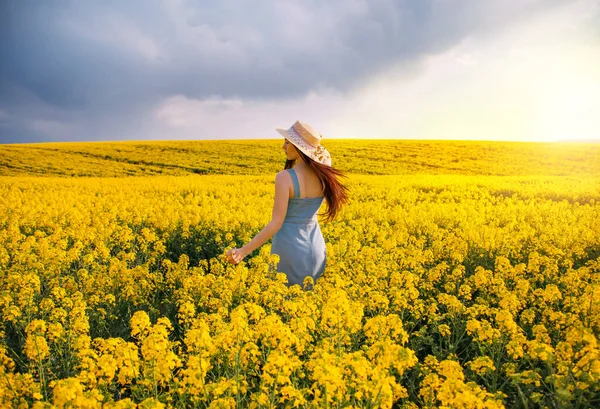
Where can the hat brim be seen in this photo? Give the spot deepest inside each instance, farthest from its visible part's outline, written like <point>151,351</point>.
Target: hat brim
<point>291,138</point>
<point>283,132</point>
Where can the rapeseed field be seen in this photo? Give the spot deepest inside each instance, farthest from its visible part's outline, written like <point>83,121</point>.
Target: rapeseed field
<point>461,275</point>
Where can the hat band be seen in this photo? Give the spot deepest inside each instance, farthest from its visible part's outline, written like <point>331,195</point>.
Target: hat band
<point>297,135</point>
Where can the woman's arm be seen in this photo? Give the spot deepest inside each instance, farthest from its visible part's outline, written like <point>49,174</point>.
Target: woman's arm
<point>282,188</point>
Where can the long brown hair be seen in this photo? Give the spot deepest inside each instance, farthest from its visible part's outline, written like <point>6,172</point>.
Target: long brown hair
<point>336,194</point>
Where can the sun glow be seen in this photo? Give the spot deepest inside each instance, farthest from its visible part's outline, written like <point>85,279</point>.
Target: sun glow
<point>570,110</point>
<point>537,81</point>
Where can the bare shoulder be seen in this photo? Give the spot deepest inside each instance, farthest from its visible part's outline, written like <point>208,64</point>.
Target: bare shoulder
<point>283,178</point>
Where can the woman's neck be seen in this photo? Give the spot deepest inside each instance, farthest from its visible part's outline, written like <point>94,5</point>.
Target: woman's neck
<point>300,164</point>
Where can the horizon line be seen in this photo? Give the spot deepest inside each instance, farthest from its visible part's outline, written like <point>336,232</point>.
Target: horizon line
<point>589,141</point>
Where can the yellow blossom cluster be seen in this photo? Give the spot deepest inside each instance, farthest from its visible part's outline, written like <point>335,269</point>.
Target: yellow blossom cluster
<point>445,291</point>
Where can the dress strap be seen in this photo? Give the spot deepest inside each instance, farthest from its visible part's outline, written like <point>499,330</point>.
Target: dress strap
<point>295,181</point>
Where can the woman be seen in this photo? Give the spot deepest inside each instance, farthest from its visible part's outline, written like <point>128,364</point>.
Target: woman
<point>307,180</point>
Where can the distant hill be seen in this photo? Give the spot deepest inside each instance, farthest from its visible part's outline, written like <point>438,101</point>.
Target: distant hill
<point>263,157</point>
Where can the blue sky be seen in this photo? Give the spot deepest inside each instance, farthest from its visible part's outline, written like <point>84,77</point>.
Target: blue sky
<point>414,69</point>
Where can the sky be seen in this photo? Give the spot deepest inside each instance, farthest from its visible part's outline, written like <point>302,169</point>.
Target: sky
<point>113,70</point>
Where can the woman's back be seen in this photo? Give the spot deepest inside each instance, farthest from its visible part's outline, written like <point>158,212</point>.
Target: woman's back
<point>309,183</point>
<point>299,242</point>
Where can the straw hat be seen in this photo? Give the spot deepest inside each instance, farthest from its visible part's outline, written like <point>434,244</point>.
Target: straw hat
<point>307,140</point>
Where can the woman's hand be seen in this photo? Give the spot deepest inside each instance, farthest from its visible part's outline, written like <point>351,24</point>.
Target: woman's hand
<point>234,256</point>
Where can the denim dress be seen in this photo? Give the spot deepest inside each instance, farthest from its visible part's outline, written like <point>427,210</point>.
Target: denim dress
<point>299,242</point>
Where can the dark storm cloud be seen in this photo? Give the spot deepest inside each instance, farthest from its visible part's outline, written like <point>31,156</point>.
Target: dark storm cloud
<point>106,63</point>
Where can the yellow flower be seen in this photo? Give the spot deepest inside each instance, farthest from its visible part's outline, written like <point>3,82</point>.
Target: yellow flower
<point>55,332</point>
<point>158,354</point>
<point>140,324</point>
<point>444,330</point>
<point>151,403</point>
<point>341,316</point>
<point>389,326</point>
<point>69,392</point>
<point>198,340</point>
<point>540,350</point>
<point>278,369</point>
<point>482,365</point>
<point>36,347</point>
<point>194,374</point>
<point>126,403</point>
<point>107,367</point>
<point>187,312</point>
<point>36,327</point>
